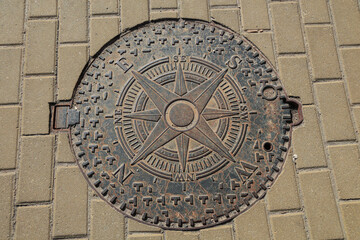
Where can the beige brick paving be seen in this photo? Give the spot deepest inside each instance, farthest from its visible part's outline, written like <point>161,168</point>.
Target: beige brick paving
<point>42,8</point>
<point>38,92</point>
<point>164,14</point>
<point>163,4</point>
<point>228,17</point>
<point>63,152</point>
<point>288,226</point>
<point>145,237</point>
<point>8,146</point>
<point>11,21</point>
<point>315,46</point>
<point>350,212</point>
<point>182,235</point>
<point>254,221</point>
<point>70,202</point>
<point>351,67</point>
<point>102,213</point>
<point>308,145</point>
<point>346,164</point>
<point>334,110</point>
<point>285,186</point>
<point>194,9</point>
<point>222,2</point>
<point>347,21</point>
<point>32,223</point>
<point>72,60</point>
<point>254,14</point>
<point>102,30</point>
<point>288,33</point>
<point>35,170</point>
<point>104,6</point>
<point>217,233</point>
<point>295,77</point>
<point>73,21</point>
<point>6,196</point>
<point>320,205</point>
<point>356,111</point>
<point>315,11</point>
<point>10,68</point>
<point>40,46</point>
<point>128,8</point>
<point>134,226</point>
<point>322,50</point>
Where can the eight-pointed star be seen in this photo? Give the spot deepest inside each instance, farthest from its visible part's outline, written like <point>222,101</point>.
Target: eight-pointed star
<point>192,125</point>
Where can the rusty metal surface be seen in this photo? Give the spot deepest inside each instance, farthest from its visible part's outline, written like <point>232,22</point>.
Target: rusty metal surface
<point>183,124</point>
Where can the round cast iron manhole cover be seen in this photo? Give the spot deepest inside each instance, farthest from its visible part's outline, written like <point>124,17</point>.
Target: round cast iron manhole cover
<point>183,124</point>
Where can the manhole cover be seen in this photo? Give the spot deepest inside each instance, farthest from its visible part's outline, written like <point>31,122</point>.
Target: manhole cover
<point>181,124</point>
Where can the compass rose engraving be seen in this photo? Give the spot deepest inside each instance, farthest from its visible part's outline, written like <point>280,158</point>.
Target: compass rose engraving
<point>182,115</point>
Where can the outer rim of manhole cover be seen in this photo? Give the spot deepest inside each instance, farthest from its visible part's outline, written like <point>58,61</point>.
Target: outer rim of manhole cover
<point>187,208</point>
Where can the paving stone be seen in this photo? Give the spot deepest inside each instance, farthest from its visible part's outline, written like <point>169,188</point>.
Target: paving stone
<point>38,92</point>
<point>356,112</point>
<point>295,77</point>
<point>128,8</point>
<point>285,185</point>
<point>75,238</point>
<point>71,61</point>
<point>63,152</point>
<point>173,235</point>
<point>227,17</point>
<point>135,226</point>
<point>35,169</point>
<point>103,6</point>
<point>106,222</point>
<point>40,46</point>
<point>351,64</point>
<point>163,14</point>
<point>254,14</point>
<point>287,28</point>
<point>6,196</point>
<point>32,223</point>
<point>347,21</point>
<point>217,233</point>
<point>253,223</point>
<point>101,31</point>
<point>10,67</point>
<point>334,111</point>
<point>307,141</point>
<point>70,202</point>
<point>346,168</point>
<point>42,8</point>
<point>320,205</point>
<point>145,237</point>
<point>322,50</point>
<point>351,219</point>
<point>9,117</point>
<point>73,20</point>
<point>11,21</point>
<point>222,2</point>
<point>163,4</point>
<point>314,11</point>
<point>264,42</point>
<point>288,226</point>
<point>196,9</point>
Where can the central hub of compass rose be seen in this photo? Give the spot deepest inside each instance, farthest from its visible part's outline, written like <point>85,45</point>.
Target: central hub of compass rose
<point>180,116</point>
